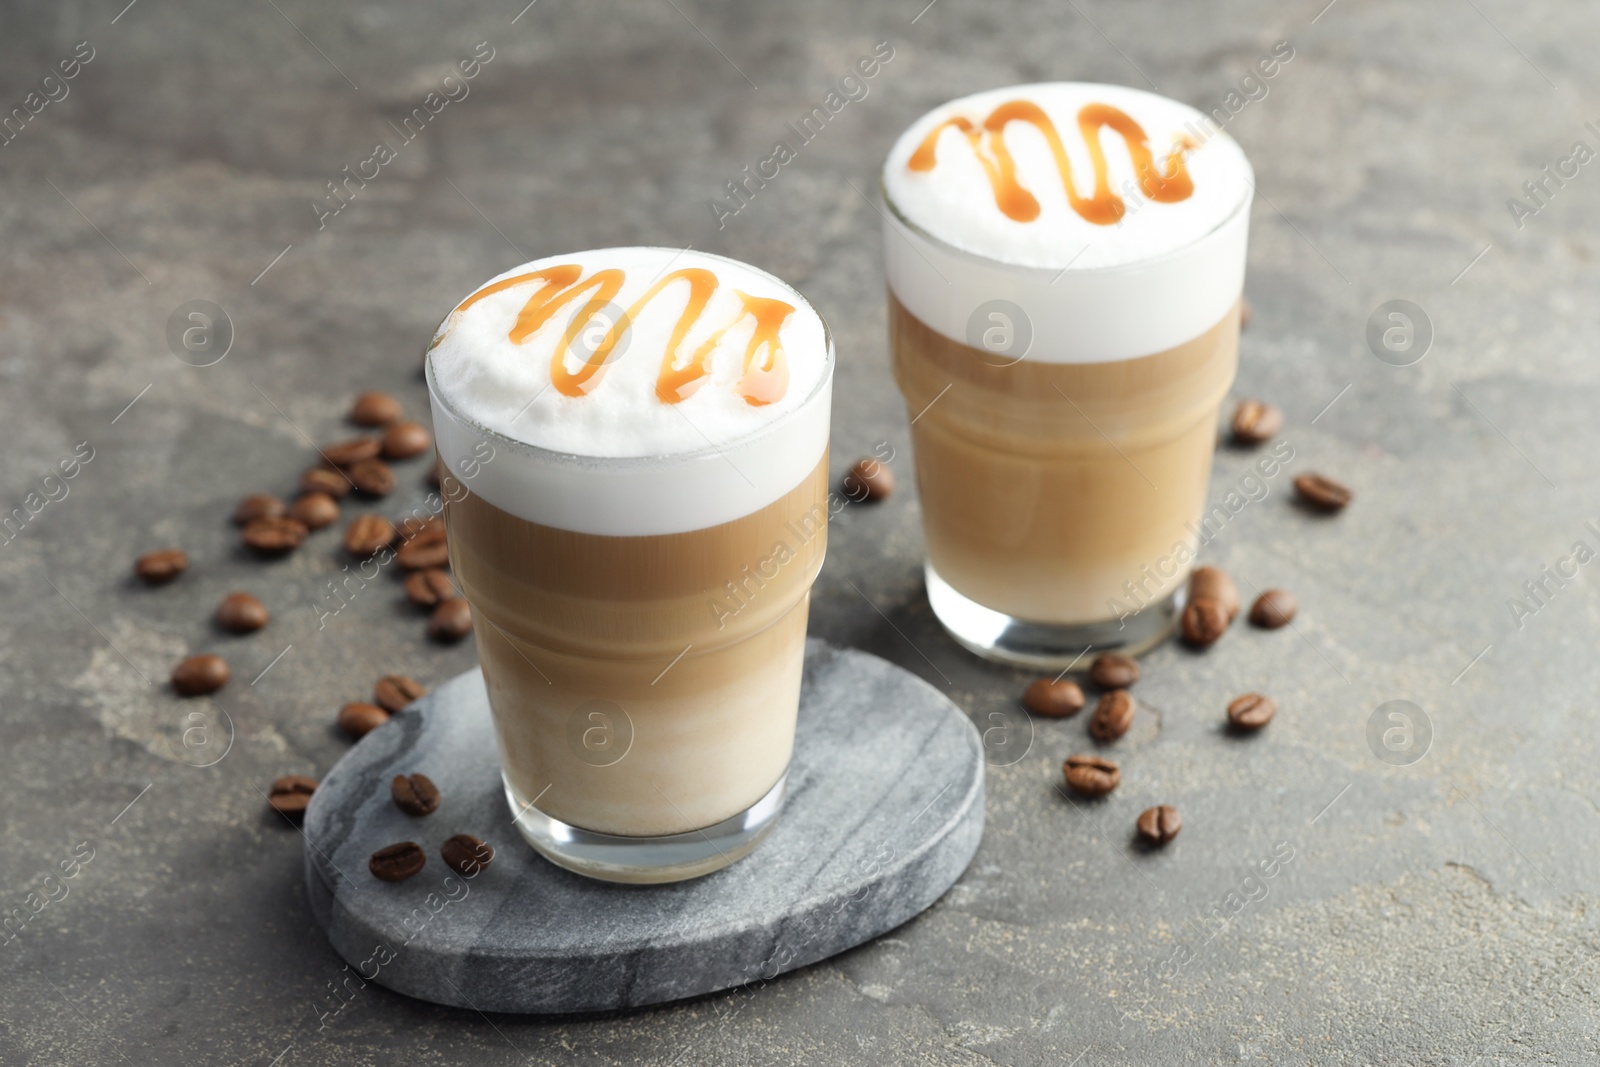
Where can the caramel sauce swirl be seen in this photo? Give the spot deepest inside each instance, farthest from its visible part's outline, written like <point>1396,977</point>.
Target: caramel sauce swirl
<point>1167,184</point>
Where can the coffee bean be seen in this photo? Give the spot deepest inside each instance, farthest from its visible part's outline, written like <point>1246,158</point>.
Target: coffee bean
<point>427,549</point>
<point>406,439</point>
<point>416,525</point>
<point>1203,621</point>
<point>451,620</point>
<point>272,537</point>
<point>291,794</point>
<point>868,479</point>
<point>349,453</point>
<point>258,506</point>
<point>367,535</point>
<point>1160,824</point>
<point>1092,776</point>
<point>241,613</point>
<point>162,565</point>
<point>323,480</point>
<point>466,855</point>
<point>426,588</point>
<point>395,691</point>
<point>199,675</point>
<point>372,477</point>
<point>375,409</point>
<point>1052,698</point>
<point>316,510</point>
<point>1273,608</point>
<point>1322,492</point>
<point>1256,421</point>
<point>1114,671</point>
<point>414,794</point>
<point>358,720</point>
<point>1251,711</point>
<point>1214,582</point>
<point>396,863</point>
<point>1112,716</point>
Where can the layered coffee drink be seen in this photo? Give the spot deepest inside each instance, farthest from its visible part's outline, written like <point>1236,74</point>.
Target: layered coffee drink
<point>639,553</point>
<point>1064,263</point>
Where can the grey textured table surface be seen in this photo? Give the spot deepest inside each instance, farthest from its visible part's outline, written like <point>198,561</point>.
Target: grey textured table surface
<point>1432,913</point>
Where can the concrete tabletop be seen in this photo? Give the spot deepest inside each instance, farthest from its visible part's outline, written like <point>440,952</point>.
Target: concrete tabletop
<point>1341,893</point>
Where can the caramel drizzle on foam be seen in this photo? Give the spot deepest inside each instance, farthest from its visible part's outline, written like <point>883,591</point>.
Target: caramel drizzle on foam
<point>1105,207</point>
<point>766,372</point>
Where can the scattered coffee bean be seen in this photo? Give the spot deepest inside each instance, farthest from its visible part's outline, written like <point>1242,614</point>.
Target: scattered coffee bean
<point>395,691</point>
<point>1322,492</point>
<point>466,855</point>
<point>1114,671</point>
<point>272,537</point>
<point>358,720</point>
<point>324,480</point>
<point>868,479</point>
<point>1160,824</point>
<point>1112,716</point>
<point>1093,776</point>
<point>258,506</point>
<point>1214,582</point>
<point>349,453</point>
<point>451,620</point>
<point>162,565</point>
<point>414,794</point>
<point>199,675</point>
<point>1054,699</point>
<point>414,525</point>
<point>372,477</point>
<point>406,439</point>
<point>1256,421</point>
<point>241,613</point>
<point>430,587</point>
<point>1204,620</point>
<point>316,510</point>
<point>291,794</point>
<point>426,549</point>
<point>396,863</point>
<point>375,409</point>
<point>1251,711</point>
<point>1274,608</point>
<point>367,535</point>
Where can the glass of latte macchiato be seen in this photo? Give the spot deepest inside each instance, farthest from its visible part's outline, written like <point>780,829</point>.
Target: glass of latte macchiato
<point>640,548</point>
<point>1064,263</point>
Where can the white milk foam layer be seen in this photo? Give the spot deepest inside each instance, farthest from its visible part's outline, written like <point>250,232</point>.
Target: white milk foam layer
<point>1162,274</point>
<point>619,460</point>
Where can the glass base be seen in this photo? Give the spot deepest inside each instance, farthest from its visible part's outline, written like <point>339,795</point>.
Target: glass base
<point>647,860</point>
<point>1048,646</point>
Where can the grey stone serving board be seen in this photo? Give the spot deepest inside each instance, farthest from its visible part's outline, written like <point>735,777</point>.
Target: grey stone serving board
<point>884,812</point>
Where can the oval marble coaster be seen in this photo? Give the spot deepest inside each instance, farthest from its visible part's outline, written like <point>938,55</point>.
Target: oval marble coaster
<point>885,810</point>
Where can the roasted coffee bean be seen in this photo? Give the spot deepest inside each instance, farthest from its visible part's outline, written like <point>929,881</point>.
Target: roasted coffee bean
<point>258,506</point>
<point>372,477</point>
<point>1322,492</point>
<point>1256,421</point>
<point>367,535</point>
<point>396,863</point>
<point>162,565</point>
<point>324,480</point>
<point>199,675</point>
<point>1274,608</point>
<point>414,794</point>
<point>868,479</point>
<point>358,720</point>
<point>406,439</point>
<point>1160,824</point>
<point>241,613</point>
<point>427,549</point>
<point>416,525</point>
<point>451,620</point>
<point>316,510</point>
<point>1093,776</point>
<point>1114,671</point>
<point>1214,582</point>
<point>1054,699</point>
<point>349,453</point>
<point>466,855</point>
<point>272,537</point>
<point>1112,716</point>
<point>1251,711</point>
<point>1203,621</point>
<point>395,691</point>
<point>375,409</point>
<point>427,588</point>
<point>291,794</point>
